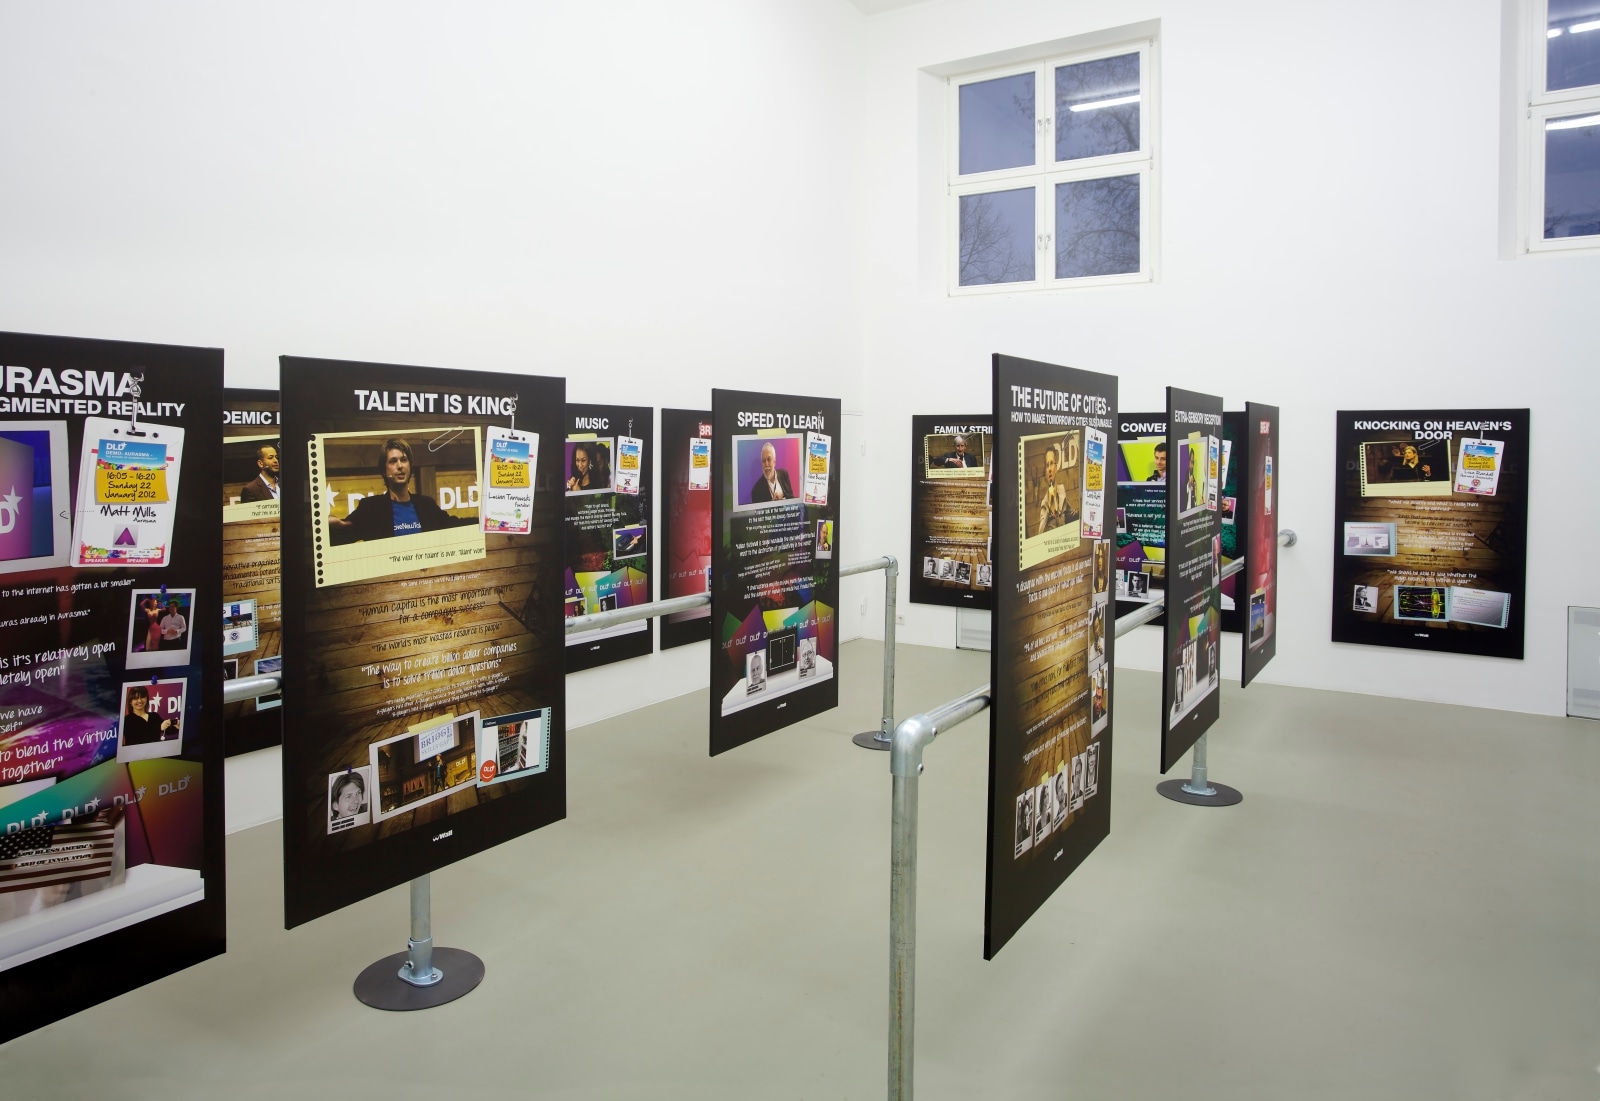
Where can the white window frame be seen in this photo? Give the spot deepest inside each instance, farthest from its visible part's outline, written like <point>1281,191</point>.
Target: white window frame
<point>1045,173</point>
<point>1537,108</point>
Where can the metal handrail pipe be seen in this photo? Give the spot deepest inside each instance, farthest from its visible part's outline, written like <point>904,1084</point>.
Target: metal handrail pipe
<point>241,689</point>
<point>868,566</point>
<point>1126,623</point>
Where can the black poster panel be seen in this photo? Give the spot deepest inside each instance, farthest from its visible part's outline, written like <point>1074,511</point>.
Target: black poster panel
<point>774,577</point>
<point>950,561</point>
<point>1052,656</point>
<point>1235,524</point>
<point>1431,530</point>
<point>1191,681</point>
<point>1141,516</point>
<point>425,696</point>
<point>252,618</point>
<point>608,467</point>
<point>686,521</point>
<point>1258,513</point>
<point>111,803</point>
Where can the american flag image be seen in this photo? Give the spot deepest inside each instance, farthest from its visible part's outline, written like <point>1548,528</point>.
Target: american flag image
<point>51,855</point>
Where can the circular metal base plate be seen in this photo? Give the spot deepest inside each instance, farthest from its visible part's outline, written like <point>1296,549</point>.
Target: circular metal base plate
<point>1225,796</point>
<point>869,739</point>
<point>381,986</point>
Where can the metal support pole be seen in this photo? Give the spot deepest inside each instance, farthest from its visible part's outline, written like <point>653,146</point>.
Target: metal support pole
<point>418,970</point>
<point>902,937</point>
<point>879,739</point>
<point>1197,784</point>
<point>422,976</point>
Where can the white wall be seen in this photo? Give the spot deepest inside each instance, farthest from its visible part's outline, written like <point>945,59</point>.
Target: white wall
<point>1330,200</point>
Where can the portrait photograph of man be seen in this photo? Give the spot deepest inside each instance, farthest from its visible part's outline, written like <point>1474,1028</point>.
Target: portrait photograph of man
<point>398,509</point>
<point>765,470</point>
<point>1051,478</point>
<point>955,455</point>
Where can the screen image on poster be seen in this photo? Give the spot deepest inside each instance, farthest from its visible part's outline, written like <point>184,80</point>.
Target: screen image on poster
<point>1140,520</point>
<point>608,483</point>
<point>951,553</point>
<point>111,742</point>
<point>1191,674</point>
<point>1235,524</point>
<point>424,664</point>
<point>775,579</point>
<point>252,618</point>
<point>1431,530</point>
<point>1052,650</point>
<point>1259,466</point>
<point>686,521</point>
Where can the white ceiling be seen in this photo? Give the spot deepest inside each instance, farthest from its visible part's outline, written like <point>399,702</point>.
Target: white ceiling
<point>873,7</point>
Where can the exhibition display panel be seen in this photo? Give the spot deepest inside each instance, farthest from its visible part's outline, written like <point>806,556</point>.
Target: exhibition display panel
<point>1257,513</point>
<point>425,706</point>
<point>951,559</point>
<point>1191,674</point>
<point>1234,526</point>
<point>1141,516</point>
<point>608,472</point>
<point>686,521</point>
<point>775,582</point>
<point>1051,664</point>
<point>111,742</point>
<point>1431,530</point>
<point>252,616</point>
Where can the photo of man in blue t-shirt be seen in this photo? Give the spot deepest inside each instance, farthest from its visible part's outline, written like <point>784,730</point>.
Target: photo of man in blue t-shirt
<point>398,511</point>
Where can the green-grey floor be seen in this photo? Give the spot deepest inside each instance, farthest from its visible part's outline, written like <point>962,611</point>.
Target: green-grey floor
<point>1405,906</point>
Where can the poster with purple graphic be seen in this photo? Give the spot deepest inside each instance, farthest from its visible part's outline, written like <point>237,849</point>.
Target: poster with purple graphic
<point>111,856</point>
<point>774,578</point>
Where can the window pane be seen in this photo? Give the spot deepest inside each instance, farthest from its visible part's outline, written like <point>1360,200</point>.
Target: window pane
<point>1097,227</point>
<point>1572,176</point>
<point>997,124</point>
<point>1097,108</point>
<point>997,237</point>
<point>1572,46</point>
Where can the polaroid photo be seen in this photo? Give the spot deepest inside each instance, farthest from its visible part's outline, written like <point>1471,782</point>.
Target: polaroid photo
<point>1365,599</point>
<point>152,719</point>
<point>230,668</point>
<point>363,531</point>
<point>1091,771</point>
<point>1266,486</point>
<point>1026,804</point>
<point>1480,607</point>
<point>269,667</point>
<point>1227,458</point>
<point>1097,635</point>
<point>349,799</point>
<point>1044,814</point>
<point>127,493</point>
<point>1102,571</point>
<point>955,455</point>
<point>985,575</point>
<point>824,544</point>
<point>1094,483</point>
<point>766,470</point>
<point>1478,466</point>
<point>1258,617</point>
<point>819,458</point>
<point>1122,521</point>
<point>964,573</point>
<point>930,567</point>
<point>588,466</point>
<point>1229,506</point>
<point>1405,468</point>
<point>240,631</point>
<point>1370,540</point>
<point>1193,459</point>
<point>507,507</point>
<point>1075,801</point>
<point>160,627</point>
<point>1422,603</point>
<point>700,463</point>
<point>1050,477</point>
<point>516,745</point>
<point>250,472</point>
<point>1216,560</point>
<point>1213,470</point>
<point>432,760</point>
<point>630,542</point>
<point>1059,795</point>
<point>808,658</point>
<point>1099,699</point>
<point>755,672</point>
<point>630,464</point>
<point>947,569</point>
<point>36,511</point>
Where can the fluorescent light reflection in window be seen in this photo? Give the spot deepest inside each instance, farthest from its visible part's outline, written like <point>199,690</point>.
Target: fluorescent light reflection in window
<point>1118,102</point>
<point>1573,123</point>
